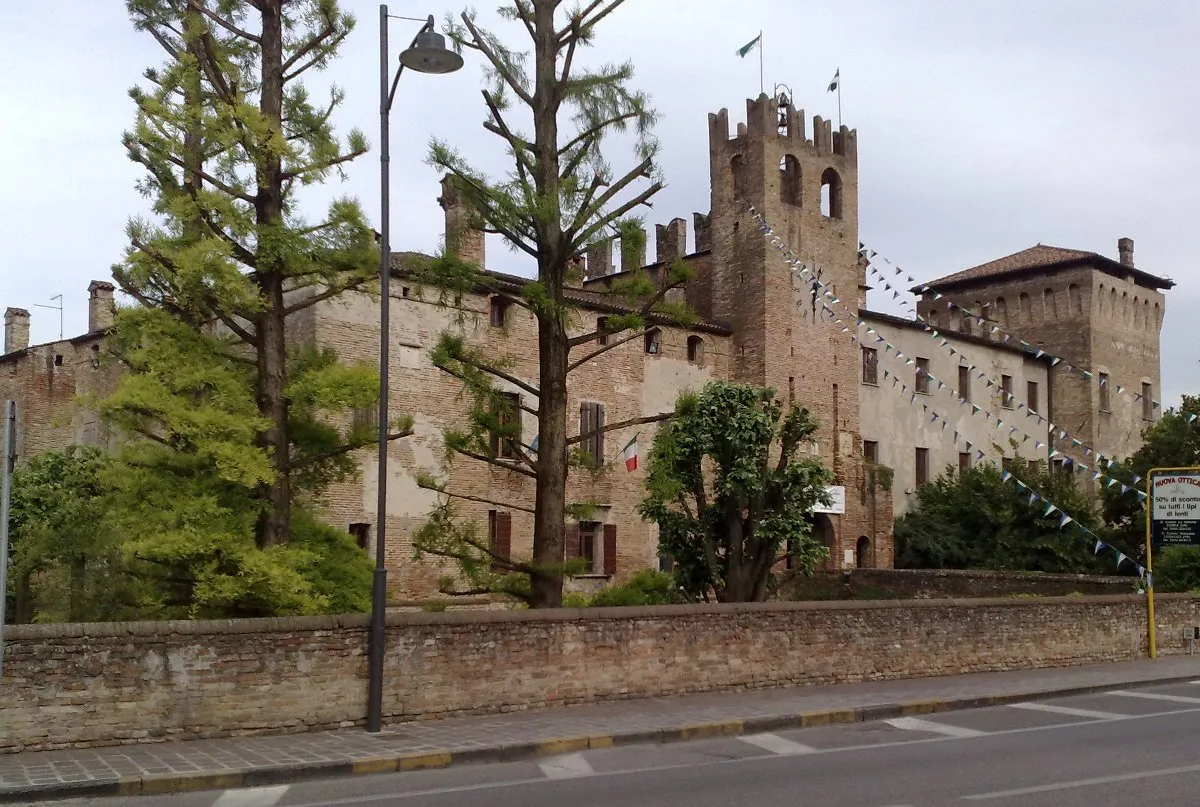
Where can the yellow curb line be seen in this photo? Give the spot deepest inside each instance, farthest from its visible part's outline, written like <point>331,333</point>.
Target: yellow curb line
<point>827,718</point>
<point>377,765</point>
<point>924,707</point>
<point>565,745</point>
<point>699,731</point>
<point>160,784</point>
<point>422,761</point>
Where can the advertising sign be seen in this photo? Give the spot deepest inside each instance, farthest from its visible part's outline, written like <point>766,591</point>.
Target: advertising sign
<point>837,498</point>
<point>1175,509</point>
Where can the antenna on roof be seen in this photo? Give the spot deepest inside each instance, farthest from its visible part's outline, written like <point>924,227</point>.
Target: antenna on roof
<point>59,309</point>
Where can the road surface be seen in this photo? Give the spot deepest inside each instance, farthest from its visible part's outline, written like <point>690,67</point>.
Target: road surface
<point>1130,747</point>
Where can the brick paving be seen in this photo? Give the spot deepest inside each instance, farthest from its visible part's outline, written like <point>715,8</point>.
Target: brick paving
<point>321,753</point>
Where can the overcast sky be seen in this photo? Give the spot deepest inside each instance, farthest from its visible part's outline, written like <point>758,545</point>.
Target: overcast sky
<point>984,127</point>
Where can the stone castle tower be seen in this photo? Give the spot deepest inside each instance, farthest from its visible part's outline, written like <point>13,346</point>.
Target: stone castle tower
<point>807,189</point>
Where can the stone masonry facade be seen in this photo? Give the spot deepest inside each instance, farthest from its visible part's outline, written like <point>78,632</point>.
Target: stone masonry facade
<point>145,682</point>
<point>759,322</point>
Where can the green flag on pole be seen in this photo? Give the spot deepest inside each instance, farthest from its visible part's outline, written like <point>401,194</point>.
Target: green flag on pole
<point>749,46</point>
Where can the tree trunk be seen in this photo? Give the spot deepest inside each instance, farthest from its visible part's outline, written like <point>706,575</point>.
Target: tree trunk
<point>275,522</point>
<point>549,516</point>
<point>75,596</point>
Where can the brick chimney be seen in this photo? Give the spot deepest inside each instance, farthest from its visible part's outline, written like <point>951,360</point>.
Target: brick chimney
<point>101,307</point>
<point>16,329</point>
<point>702,224</point>
<point>670,240</point>
<point>1125,250</point>
<point>599,259</point>
<point>463,239</point>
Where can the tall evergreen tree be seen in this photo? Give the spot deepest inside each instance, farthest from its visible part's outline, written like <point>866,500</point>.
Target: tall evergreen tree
<point>227,133</point>
<point>559,197</point>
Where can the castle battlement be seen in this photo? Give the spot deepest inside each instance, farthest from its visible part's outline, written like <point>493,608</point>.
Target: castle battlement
<point>768,119</point>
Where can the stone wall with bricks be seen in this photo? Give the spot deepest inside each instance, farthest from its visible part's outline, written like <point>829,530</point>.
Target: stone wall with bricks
<point>117,683</point>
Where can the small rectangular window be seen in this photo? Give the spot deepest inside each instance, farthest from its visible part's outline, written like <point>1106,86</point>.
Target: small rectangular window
<point>498,308</point>
<point>870,370</point>
<point>1033,466</point>
<point>499,538</point>
<point>588,539</point>
<point>1006,393</point>
<point>1006,463</point>
<point>361,534</point>
<point>654,342</point>
<point>602,330</point>
<point>507,436</point>
<point>1105,392</point>
<point>964,460</point>
<point>922,466</point>
<point>1147,401</point>
<point>871,451</point>
<point>922,379</point>
<point>1031,392</point>
<point>964,382</point>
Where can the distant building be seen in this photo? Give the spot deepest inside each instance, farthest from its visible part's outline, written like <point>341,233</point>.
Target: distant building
<point>760,322</point>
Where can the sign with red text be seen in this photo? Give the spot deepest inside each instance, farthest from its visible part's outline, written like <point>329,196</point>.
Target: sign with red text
<point>1175,508</point>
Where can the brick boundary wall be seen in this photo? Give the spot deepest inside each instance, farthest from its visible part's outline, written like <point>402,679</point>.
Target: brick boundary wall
<point>120,683</point>
<point>951,583</point>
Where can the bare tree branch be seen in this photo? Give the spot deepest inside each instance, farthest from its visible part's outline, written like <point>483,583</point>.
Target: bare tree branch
<point>498,463</point>
<point>497,63</point>
<point>224,23</point>
<point>207,177</point>
<point>612,343</point>
<point>480,499</point>
<point>579,438</point>
<point>305,461</point>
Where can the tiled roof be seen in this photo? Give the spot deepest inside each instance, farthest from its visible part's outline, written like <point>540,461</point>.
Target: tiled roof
<point>1042,256</point>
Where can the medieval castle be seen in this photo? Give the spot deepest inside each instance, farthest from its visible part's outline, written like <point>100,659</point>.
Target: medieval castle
<point>897,396</point>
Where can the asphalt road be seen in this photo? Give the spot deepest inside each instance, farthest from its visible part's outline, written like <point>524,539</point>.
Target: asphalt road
<point>1119,748</point>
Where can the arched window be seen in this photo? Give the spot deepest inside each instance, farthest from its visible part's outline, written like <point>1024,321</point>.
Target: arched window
<point>653,341</point>
<point>932,318</point>
<point>1050,304</point>
<point>1026,305</point>
<point>738,166</point>
<point>1074,302</point>
<point>1124,307</point>
<point>1137,313</point>
<point>695,350</point>
<point>1001,311</point>
<point>790,192</point>
<point>1146,314</point>
<point>1157,317</point>
<point>602,330</point>
<point>1100,301</point>
<point>831,194</point>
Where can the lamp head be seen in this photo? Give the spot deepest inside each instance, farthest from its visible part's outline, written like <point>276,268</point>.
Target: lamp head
<point>429,54</point>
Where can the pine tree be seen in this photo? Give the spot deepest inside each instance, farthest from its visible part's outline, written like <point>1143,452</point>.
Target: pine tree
<point>560,197</point>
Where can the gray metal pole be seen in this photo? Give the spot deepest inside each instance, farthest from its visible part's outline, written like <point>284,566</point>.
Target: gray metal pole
<point>7,462</point>
<point>379,581</point>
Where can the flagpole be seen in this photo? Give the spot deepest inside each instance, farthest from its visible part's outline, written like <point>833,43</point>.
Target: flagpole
<point>839,98</point>
<point>762,87</point>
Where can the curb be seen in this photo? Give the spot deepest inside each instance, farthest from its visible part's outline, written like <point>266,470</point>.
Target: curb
<point>162,784</point>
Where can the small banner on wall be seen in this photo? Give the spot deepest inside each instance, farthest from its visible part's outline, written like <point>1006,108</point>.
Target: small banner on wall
<point>1175,508</point>
<point>837,499</point>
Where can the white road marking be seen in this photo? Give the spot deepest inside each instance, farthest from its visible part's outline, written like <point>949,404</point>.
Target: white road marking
<point>252,797</point>
<point>566,767</point>
<point>776,744</point>
<point>1101,780</point>
<point>916,724</point>
<point>1068,710</point>
<point>1154,696</point>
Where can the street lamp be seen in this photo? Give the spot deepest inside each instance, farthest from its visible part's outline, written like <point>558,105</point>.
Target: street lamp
<point>426,54</point>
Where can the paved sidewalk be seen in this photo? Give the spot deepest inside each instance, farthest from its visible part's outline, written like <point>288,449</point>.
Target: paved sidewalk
<point>246,762</point>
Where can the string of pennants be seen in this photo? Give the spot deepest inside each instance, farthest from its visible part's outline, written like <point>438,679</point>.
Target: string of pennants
<point>1009,398</point>
<point>1007,476</point>
<point>1006,337</point>
<point>827,294</point>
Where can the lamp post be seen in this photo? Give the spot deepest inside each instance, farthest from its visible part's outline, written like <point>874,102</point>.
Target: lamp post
<point>426,54</point>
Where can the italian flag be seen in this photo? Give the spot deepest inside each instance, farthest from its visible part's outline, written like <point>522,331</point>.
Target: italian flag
<point>630,455</point>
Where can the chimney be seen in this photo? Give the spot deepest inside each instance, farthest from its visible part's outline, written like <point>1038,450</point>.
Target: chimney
<point>702,224</point>
<point>633,253</point>
<point>16,329</point>
<point>463,238</point>
<point>599,259</point>
<point>670,240</point>
<point>1125,250</point>
<point>100,306</point>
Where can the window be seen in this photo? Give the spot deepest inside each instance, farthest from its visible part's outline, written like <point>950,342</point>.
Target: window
<point>789,181</point>
<point>1105,393</point>
<point>1006,393</point>
<point>1147,401</point>
<point>361,534</point>
<point>365,418</point>
<point>591,419</point>
<point>870,359</point>
<point>602,330</point>
<point>1006,463</point>
<point>507,434</point>
<point>594,542</point>
<point>964,460</point>
<point>791,388</point>
<point>922,380</point>
<point>498,308</point>
<point>871,451</point>
<point>1033,466</point>
<point>653,341</point>
<point>922,461</point>
<point>695,350</point>
<point>499,537</point>
<point>964,382</point>
<point>831,194</point>
<point>1031,393</point>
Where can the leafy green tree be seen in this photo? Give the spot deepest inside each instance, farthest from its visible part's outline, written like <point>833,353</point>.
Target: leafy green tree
<point>974,519</point>
<point>559,197</point>
<point>227,134</point>
<point>1172,442</point>
<point>729,492</point>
